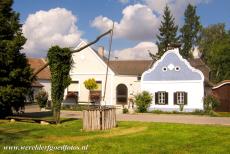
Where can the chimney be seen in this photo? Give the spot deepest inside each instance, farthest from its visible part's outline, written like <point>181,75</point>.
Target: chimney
<point>101,51</point>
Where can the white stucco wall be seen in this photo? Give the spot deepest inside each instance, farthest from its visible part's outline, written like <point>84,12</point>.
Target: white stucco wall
<point>87,64</point>
<point>84,93</point>
<point>194,89</point>
<point>131,82</point>
<point>47,86</point>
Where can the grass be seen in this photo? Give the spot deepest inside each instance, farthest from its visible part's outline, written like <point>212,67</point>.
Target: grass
<point>197,112</point>
<point>222,114</point>
<point>129,137</point>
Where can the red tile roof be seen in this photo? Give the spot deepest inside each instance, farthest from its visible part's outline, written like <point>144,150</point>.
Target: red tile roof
<point>35,64</point>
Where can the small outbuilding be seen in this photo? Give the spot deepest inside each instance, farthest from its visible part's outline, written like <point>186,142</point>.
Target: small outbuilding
<point>222,92</point>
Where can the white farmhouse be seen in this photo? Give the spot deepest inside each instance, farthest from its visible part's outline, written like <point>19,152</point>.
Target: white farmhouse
<point>173,82</point>
<point>124,78</point>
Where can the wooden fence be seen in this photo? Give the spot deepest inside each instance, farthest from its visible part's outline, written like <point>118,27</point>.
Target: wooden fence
<point>99,118</point>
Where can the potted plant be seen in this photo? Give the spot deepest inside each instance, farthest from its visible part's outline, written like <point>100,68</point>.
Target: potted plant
<point>90,84</point>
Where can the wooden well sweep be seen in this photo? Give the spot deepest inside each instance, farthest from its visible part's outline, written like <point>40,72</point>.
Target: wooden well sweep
<point>99,118</point>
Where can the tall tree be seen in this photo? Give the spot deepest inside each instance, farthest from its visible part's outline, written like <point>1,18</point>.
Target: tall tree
<point>15,73</point>
<point>168,32</point>
<point>190,31</point>
<point>215,47</point>
<point>209,36</point>
<point>60,64</point>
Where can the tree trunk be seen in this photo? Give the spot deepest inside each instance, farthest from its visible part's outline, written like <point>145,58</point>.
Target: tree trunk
<point>56,115</point>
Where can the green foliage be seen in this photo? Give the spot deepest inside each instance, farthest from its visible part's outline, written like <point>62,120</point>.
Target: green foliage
<point>210,103</point>
<point>143,101</point>
<point>60,64</point>
<point>90,84</point>
<point>215,47</point>
<point>16,75</point>
<point>42,98</point>
<point>160,112</point>
<point>197,111</point>
<point>125,110</point>
<point>181,107</point>
<point>168,32</point>
<point>190,31</point>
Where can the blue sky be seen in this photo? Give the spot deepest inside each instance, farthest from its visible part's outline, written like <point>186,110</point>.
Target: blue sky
<point>89,26</point>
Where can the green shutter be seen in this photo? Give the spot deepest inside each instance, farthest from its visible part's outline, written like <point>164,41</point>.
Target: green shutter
<point>166,98</point>
<point>185,98</point>
<point>156,98</point>
<point>175,98</point>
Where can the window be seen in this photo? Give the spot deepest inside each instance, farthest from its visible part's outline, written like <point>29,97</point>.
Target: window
<point>180,98</point>
<point>161,98</point>
<point>122,94</point>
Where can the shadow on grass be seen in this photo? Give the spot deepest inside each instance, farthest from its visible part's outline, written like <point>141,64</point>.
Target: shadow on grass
<point>68,119</point>
<point>37,117</point>
<point>14,136</point>
<point>37,114</point>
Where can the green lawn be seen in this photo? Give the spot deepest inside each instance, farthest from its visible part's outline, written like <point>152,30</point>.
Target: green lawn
<point>129,137</point>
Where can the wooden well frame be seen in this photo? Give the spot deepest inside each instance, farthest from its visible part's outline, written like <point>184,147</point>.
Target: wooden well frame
<point>99,118</point>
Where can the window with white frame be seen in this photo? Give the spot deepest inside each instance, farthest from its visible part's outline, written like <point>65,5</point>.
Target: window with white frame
<point>180,98</point>
<point>161,98</point>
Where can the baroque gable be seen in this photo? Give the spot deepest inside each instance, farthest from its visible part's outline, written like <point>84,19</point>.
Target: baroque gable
<point>172,67</point>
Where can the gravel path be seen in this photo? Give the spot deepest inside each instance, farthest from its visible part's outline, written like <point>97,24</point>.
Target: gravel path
<point>148,117</point>
<point>169,118</point>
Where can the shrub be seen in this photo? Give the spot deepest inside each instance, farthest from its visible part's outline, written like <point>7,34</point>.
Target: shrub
<point>143,101</point>
<point>157,111</point>
<point>175,112</point>
<point>90,84</point>
<point>42,98</point>
<point>181,107</point>
<point>210,103</point>
<point>198,111</point>
<point>125,110</point>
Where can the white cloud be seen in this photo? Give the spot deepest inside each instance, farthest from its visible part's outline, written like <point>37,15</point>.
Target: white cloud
<point>138,23</point>
<point>177,7</point>
<point>47,28</point>
<point>140,51</point>
<point>141,21</point>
